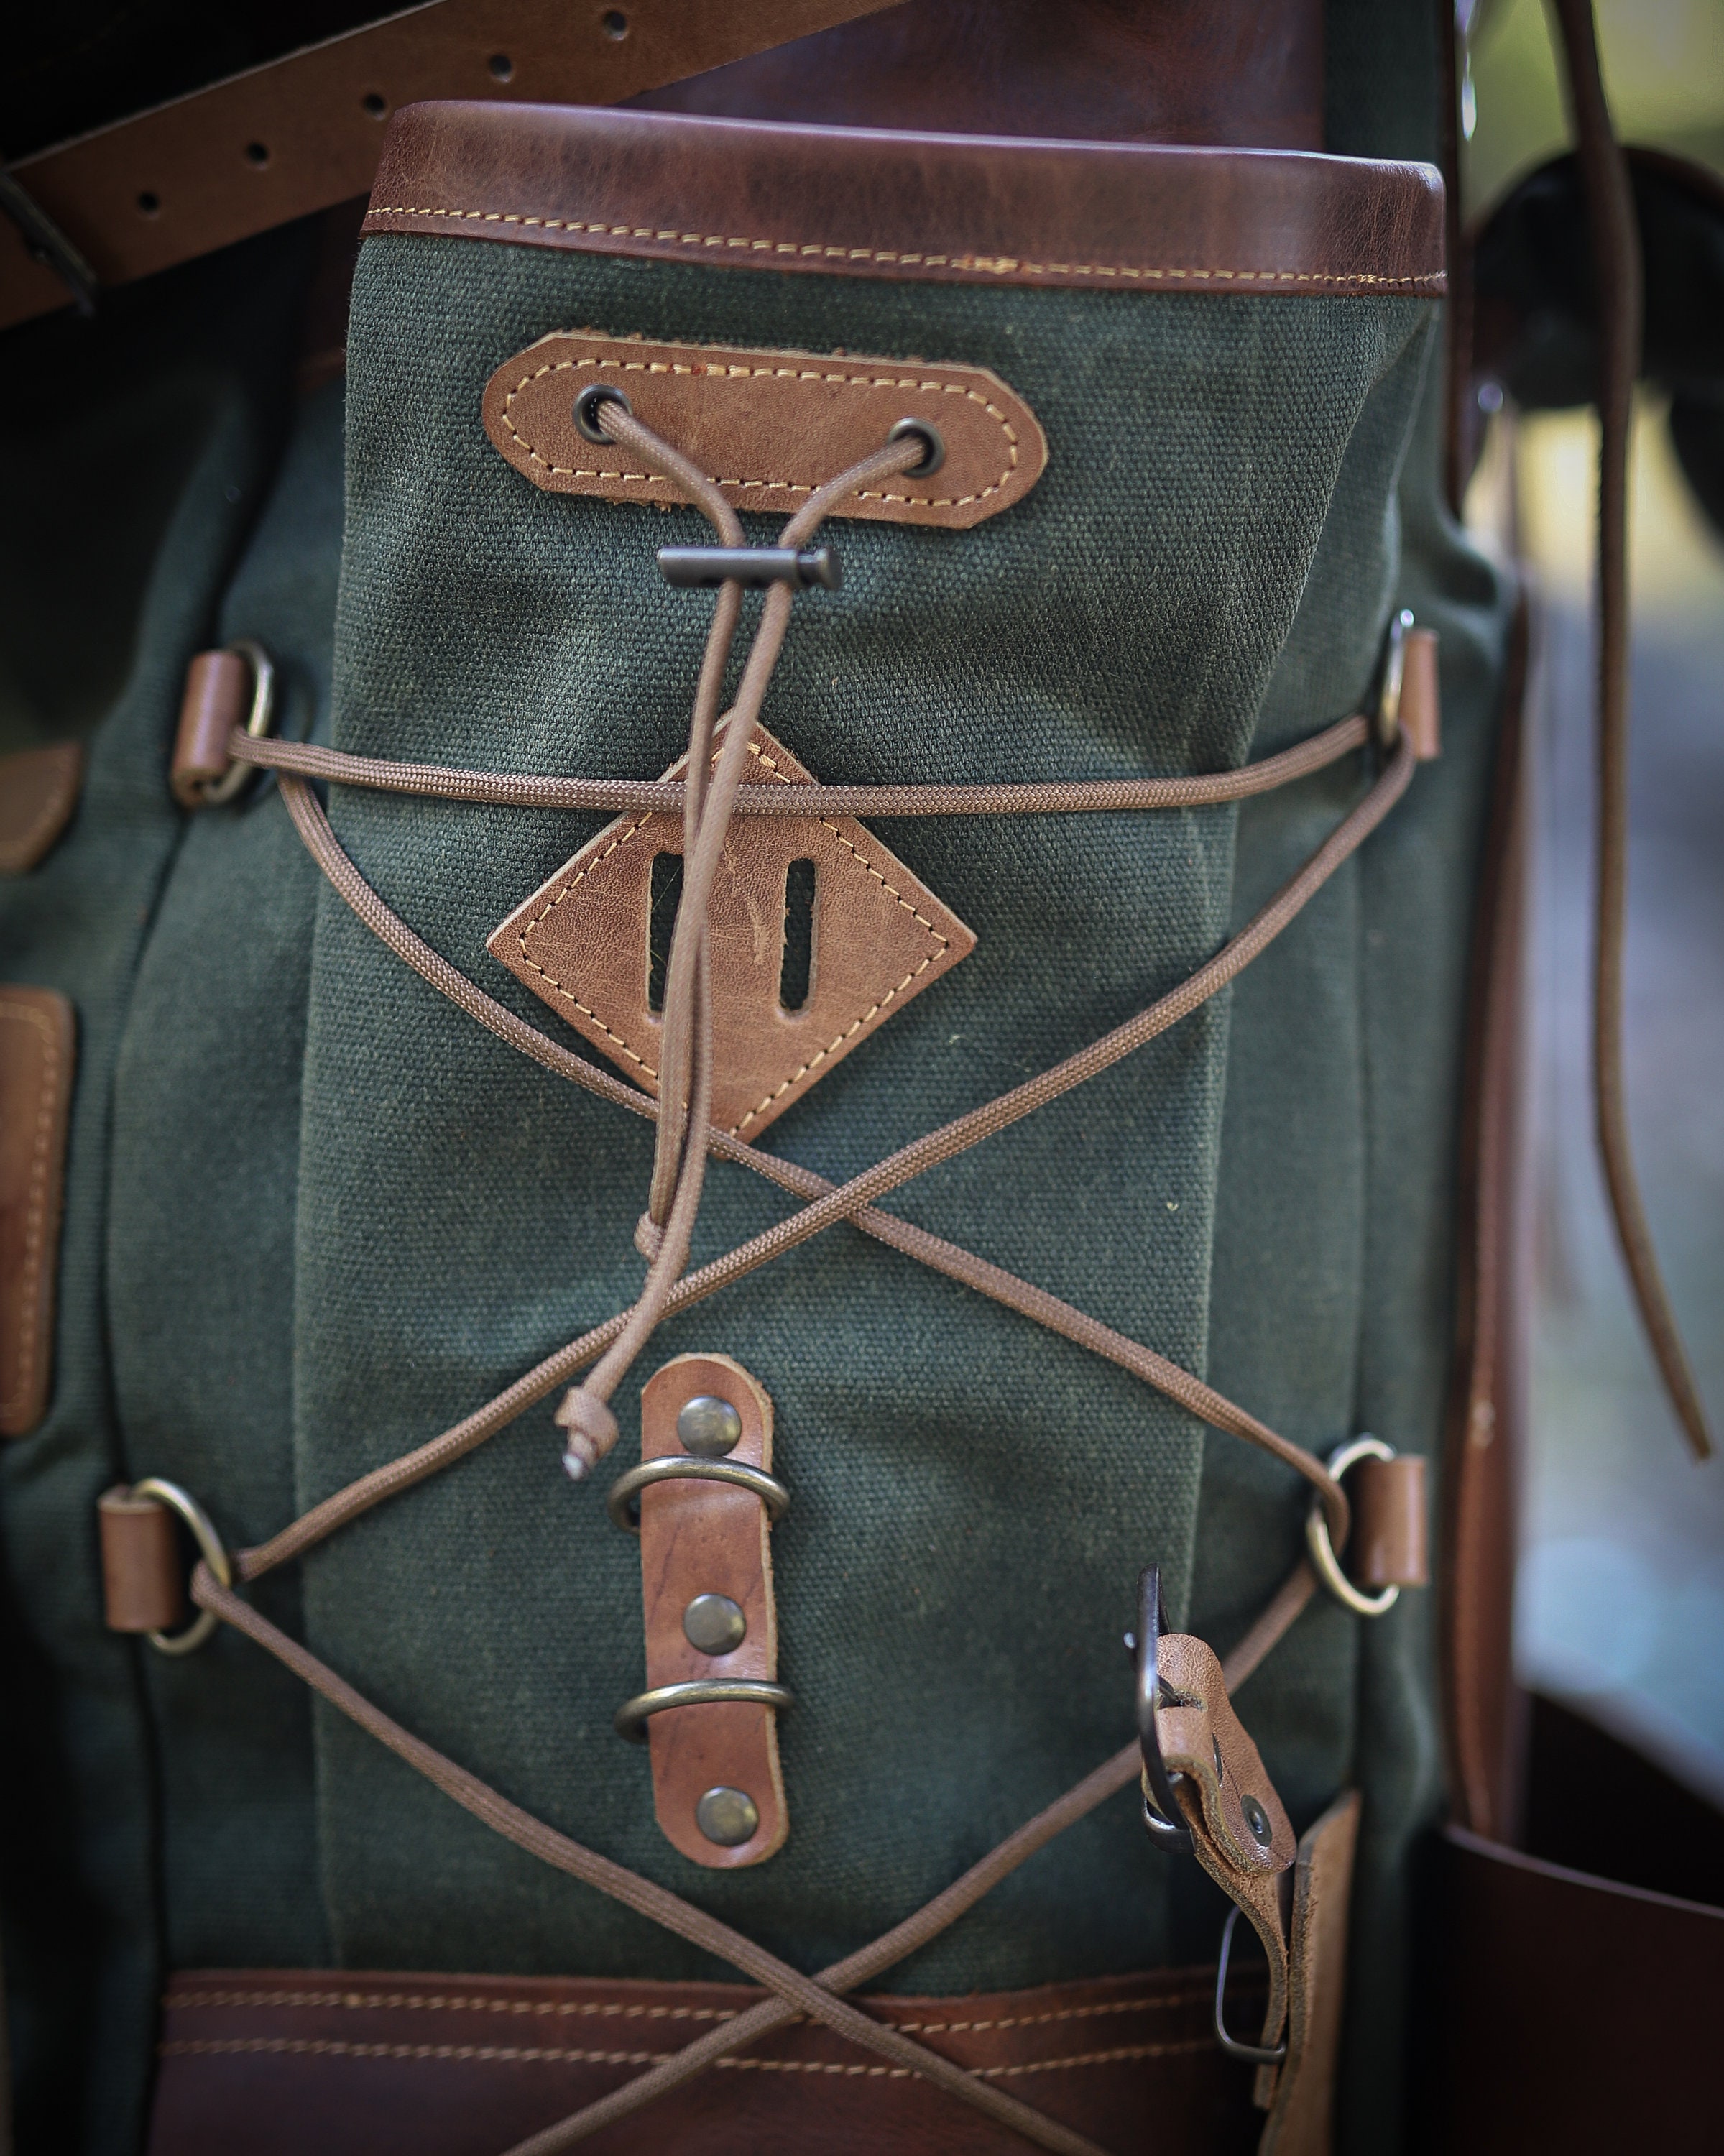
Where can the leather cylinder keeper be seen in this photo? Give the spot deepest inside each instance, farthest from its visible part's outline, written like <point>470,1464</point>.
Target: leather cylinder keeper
<point>143,1573</point>
<point>1421,701</point>
<point>1391,1537</point>
<point>218,688</point>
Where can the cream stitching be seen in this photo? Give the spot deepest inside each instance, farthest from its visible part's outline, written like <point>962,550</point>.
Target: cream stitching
<point>395,2001</point>
<point>775,374</point>
<point>1064,2014</point>
<point>549,2054</point>
<point>1000,266</point>
<point>622,838</point>
<point>545,973</point>
<point>337,2047</point>
<point>35,1203</point>
<point>438,2003</point>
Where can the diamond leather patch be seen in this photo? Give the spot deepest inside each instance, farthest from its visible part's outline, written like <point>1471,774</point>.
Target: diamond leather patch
<point>871,936</point>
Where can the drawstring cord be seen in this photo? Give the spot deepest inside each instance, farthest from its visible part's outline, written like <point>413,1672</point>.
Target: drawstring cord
<point>666,1229</point>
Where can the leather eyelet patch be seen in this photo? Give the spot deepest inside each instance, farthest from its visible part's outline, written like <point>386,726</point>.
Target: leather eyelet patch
<point>768,427</point>
<point>817,934</point>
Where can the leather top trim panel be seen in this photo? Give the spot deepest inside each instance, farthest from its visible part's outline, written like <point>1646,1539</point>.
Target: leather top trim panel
<point>855,202</point>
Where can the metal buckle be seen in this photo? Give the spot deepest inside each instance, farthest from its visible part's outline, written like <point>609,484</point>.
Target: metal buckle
<point>209,1543</point>
<point>1323,1558</point>
<point>1161,1816</point>
<point>1258,2055</point>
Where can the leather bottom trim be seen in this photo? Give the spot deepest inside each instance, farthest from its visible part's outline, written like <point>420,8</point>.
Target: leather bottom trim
<point>279,2062</point>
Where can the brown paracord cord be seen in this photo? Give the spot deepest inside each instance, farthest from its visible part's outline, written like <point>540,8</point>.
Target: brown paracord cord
<point>665,797</point>
<point>686,1079</point>
<point>1618,282</point>
<point>844,1201</point>
<point>797,1994</point>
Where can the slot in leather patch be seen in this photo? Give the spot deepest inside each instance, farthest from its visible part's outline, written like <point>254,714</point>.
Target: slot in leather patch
<point>769,427</point>
<point>710,1539</point>
<point>38,791</point>
<point>584,941</point>
<point>37,1037</point>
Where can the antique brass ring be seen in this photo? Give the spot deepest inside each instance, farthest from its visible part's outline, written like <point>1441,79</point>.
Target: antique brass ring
<point>631,1717</point>
<point>771,1492</point>
<point>1322,1550</point>
<point>209,1543</point>
<point>258,722</point>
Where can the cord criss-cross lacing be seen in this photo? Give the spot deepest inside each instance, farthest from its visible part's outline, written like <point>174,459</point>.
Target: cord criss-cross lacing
<point>708,798</point>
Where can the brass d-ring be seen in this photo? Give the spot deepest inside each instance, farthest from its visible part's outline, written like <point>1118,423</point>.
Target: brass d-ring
<point>1322,1550</point>
<point>674,1467</point>
<point>258,719</point>
<point>209,1543</point>
<point>631,1717</point>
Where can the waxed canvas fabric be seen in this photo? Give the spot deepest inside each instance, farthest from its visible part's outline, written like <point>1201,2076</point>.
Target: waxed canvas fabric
<point>316,1214</point>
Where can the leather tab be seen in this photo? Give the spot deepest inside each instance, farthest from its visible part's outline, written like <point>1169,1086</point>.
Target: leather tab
<point>1391,1539</point>
<point>38,791</point>
<point>1240,1833</point>
<point>143,1578</point>
<point>1301,2123</point>
<point>706,1538</point>
<point>37,1060</point>
<point>769,427</point>
<point>1421,700</point>
<point>878,937</point>
<point>217,696</point>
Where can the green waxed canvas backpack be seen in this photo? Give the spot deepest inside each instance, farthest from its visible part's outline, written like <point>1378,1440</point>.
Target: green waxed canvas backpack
<point>960,1310</point>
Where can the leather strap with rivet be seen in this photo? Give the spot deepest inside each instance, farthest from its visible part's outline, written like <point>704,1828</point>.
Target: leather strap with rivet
<point>709,1715</point>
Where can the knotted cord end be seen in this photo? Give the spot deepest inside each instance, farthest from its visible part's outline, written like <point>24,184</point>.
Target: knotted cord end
<point>592,1431</point>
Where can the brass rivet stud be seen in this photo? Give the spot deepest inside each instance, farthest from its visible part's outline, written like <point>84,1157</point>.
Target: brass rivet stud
<point>1257,1819</point>
<point>709,1427</point>
<point>715,1624</point>
<point>728,1817</point>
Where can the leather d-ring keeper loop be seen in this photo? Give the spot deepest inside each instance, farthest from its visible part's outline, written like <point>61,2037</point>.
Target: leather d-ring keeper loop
<point>1391,1538</point>
<point>218,695</point>
<point>143,1573</point>
<point>707,1541</point>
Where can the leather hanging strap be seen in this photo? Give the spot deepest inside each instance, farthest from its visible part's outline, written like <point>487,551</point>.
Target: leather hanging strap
<point>1617,279</point>
<point>306,131</point>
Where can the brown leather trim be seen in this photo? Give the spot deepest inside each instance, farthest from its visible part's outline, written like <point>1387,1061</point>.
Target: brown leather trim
<point>880,937</point>
<point>217,696</point>
<point>1569,2012</point>
<point>1483,1444</point>
<point>705,1538</point>
<point>38,791</point>
<point>143,1576</point>
<point>768,427</point>
<point>854,202</point>
<point>1391,1541</point>
<point>1301,2123</point>
<point>37,1059</point>
<point>317,117</point>
<point>278,2062</point>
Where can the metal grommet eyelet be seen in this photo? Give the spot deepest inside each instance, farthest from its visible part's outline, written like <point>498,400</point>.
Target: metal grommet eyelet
<point>210,1547</point>
<point>1322,1550</point>
<point>589,403</point>
<point>258,719</point>
<point>931,435</point>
